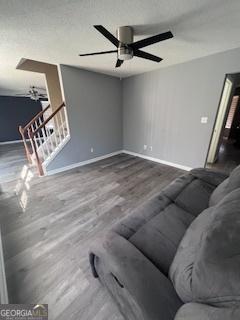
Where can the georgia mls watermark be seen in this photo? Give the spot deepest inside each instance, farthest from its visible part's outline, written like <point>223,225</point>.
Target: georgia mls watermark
<point>23,312</point>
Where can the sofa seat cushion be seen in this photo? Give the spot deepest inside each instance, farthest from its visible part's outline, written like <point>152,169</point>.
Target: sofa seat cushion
<point>158,239</point>
<point>190,193</point>
<point>227,186</point>
<point>141,215</point>
<point>157,228</point>
<point>206,267</point>
<point>195,197</point>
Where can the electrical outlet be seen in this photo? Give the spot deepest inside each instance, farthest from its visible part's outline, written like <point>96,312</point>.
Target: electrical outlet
<point>204,119</point>
<point>92,150</point>
<point>144,147</point>
<point>151,148</point>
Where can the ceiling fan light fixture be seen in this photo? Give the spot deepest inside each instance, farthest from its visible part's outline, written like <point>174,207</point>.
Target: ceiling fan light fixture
<point>125,53</point>
<point>125,37</point>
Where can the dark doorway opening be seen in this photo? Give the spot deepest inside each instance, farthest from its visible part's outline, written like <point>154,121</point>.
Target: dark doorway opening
<point>227,155</point>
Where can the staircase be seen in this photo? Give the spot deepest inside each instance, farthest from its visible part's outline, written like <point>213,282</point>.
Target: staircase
<point>44,136</point>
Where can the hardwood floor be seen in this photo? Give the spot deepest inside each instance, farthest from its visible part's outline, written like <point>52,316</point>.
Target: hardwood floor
<point>228,157</point>
<point>12,159</point>
<point>49,223</point>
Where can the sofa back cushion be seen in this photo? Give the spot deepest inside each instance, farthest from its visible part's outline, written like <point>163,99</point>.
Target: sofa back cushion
<point>234,179</point>
<point>228,185</point>
<point>206,267</point>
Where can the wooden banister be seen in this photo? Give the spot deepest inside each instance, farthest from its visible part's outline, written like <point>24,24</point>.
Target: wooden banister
<point>24,129</point>
<point>35,118</point>
<point>45,142</point>
<point>33,133</point>
<point>34,147</point>
<point>28,154</point>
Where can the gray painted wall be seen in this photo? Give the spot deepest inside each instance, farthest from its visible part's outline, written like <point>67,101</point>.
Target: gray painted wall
<point>163,108</point>
<point>94,106</point>
<point>15,111</point>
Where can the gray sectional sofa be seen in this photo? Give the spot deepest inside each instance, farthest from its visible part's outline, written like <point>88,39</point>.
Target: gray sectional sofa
<point>178,257</point>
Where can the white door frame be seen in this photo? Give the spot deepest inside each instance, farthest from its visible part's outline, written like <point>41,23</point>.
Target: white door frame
<point>223,109</point>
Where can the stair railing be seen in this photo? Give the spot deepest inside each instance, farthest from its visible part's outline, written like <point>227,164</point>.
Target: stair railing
<point>24,131</point>
<point>46,138</point>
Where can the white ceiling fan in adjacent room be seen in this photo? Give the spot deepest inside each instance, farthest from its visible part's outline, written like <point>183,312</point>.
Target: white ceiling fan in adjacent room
<point>34,93</point>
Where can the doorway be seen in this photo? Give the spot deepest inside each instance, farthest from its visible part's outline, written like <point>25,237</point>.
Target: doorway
<point>224,149</point>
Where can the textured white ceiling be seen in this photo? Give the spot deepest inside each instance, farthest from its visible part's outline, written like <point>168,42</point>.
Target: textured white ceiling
<point>56,31</point>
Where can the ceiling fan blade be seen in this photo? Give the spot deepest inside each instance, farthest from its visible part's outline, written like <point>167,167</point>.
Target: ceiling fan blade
<point>146,55</point>
<point>96,53</point>
<point>151,40</point>
<point>107,34</point>
<point>118,63</point>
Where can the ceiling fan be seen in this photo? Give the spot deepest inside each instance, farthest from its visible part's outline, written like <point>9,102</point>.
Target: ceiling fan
<point>34,94</point>
<point>126,48</point>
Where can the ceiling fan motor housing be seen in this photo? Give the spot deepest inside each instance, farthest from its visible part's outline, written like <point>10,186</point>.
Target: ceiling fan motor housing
<point>125,37</point>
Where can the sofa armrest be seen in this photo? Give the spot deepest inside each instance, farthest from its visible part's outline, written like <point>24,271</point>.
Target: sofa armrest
<point>198,311</point>
<point>134,273</point>
<point>210,176</point>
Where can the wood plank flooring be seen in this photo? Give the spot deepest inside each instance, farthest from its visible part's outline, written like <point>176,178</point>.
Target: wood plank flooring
<point>49,223</point>
<point>228,157</point>
<point>12,159</point>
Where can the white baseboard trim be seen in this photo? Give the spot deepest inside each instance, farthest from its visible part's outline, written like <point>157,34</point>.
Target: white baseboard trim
<point>176,165</point>
<point>11,142</point>
<point>82,163</point>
